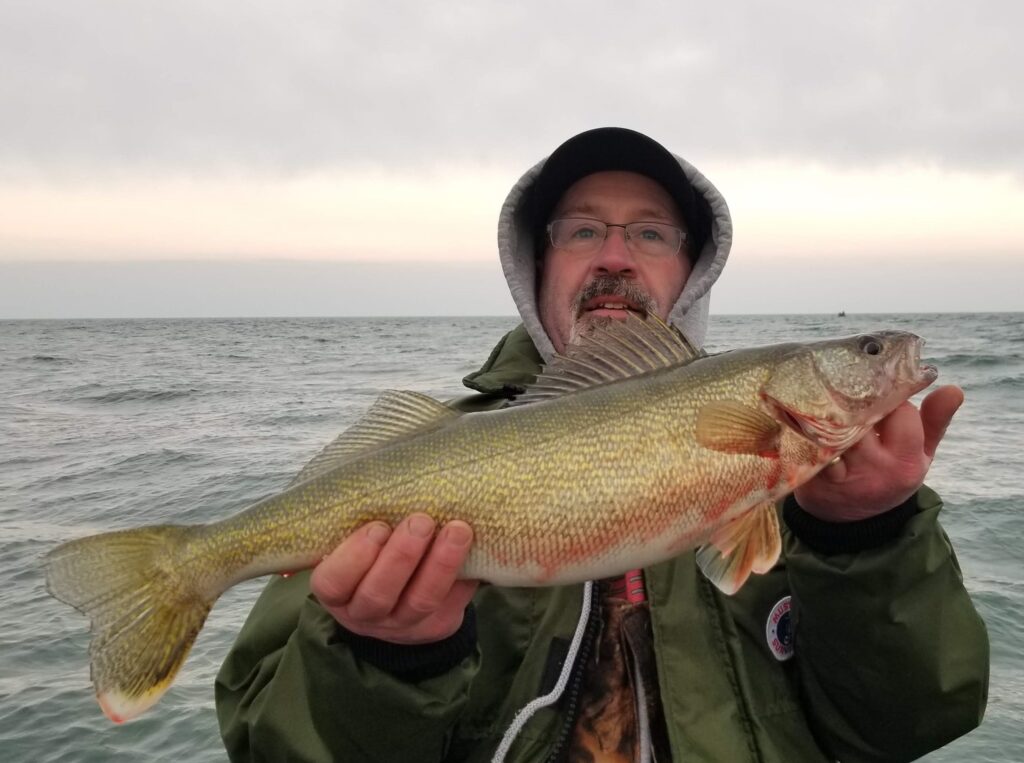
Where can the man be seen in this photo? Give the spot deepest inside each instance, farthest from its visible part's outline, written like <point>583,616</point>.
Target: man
<point>861,644</point>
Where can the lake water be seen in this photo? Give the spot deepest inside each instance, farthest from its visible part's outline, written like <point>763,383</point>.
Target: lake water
<point>112,424</point>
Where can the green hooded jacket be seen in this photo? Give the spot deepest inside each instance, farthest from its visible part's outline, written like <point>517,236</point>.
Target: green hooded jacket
<point>880,657</point>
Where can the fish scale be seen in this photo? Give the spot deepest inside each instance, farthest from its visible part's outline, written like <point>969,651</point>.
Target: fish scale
<point>628,450</point>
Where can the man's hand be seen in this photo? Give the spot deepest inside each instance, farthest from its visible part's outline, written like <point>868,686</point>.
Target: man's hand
<point>398,586</point>
<point>887,466</point>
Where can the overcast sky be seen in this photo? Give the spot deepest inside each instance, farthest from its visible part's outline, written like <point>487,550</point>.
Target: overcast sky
<point>872,154</point>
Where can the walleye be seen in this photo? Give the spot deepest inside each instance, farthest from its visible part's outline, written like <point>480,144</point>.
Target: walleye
<point>628,450</point>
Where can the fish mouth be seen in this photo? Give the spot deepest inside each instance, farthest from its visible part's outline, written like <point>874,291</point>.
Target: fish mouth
<point>921,374</point>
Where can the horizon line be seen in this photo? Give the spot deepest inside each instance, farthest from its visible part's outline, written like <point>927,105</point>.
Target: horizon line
<point>845,314</point>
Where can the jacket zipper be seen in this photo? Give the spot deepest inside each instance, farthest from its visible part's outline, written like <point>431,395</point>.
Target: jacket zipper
<point>572,695</point>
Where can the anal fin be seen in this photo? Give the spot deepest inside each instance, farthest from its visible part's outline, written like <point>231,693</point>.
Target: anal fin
<point>750,543</point>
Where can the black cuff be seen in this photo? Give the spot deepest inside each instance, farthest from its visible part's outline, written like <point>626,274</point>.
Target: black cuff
<point>847,537</point>
<point>414,662</point>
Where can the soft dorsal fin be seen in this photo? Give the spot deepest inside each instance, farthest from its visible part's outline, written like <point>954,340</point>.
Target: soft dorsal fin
<point>394,414</point>
<point>610,351</point>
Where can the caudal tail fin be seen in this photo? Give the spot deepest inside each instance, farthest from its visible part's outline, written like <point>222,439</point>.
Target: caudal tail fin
<point>144,614</point>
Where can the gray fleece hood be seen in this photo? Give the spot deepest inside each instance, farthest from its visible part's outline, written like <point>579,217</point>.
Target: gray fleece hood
<point>517,248</point>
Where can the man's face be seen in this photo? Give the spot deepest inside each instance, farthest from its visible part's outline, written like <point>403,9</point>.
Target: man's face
<point>575,289</point>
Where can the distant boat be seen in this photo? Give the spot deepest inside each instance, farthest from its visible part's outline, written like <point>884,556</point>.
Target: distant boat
<point>842,313</point>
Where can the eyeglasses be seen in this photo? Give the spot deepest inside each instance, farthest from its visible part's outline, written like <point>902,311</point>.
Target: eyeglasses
<point>582,235</point>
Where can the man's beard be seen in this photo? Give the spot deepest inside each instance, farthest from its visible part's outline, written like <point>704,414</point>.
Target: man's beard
<point>612,286</point>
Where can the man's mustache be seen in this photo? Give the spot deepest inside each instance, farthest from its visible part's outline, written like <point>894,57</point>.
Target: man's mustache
<point>614,286</point>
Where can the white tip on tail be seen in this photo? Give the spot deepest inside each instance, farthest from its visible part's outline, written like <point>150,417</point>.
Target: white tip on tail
<point>120,707</point>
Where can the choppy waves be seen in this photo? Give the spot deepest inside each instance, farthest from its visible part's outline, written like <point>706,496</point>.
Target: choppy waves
<point>139,395</point>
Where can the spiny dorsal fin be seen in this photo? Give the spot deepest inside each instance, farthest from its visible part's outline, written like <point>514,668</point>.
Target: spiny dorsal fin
<point>394,414</point>
<point>612,350</point>
<point>732,427</point>
<point>749,543</point>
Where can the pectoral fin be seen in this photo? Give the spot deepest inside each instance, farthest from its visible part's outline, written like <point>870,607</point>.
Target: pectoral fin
<point>732,427</point>
<point>750,543</point>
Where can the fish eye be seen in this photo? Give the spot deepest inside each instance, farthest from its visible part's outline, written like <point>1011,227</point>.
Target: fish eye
<point>870,345</point>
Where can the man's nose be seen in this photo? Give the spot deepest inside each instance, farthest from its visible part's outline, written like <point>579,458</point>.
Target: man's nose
<point>614,256</point>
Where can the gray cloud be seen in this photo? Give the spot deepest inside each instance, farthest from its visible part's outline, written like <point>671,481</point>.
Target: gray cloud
<point>281,88</point>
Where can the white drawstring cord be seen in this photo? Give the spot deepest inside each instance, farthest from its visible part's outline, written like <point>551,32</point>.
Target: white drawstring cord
<point>528,710</point>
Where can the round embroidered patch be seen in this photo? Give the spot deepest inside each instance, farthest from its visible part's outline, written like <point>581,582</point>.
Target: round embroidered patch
<point>779,629</point>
